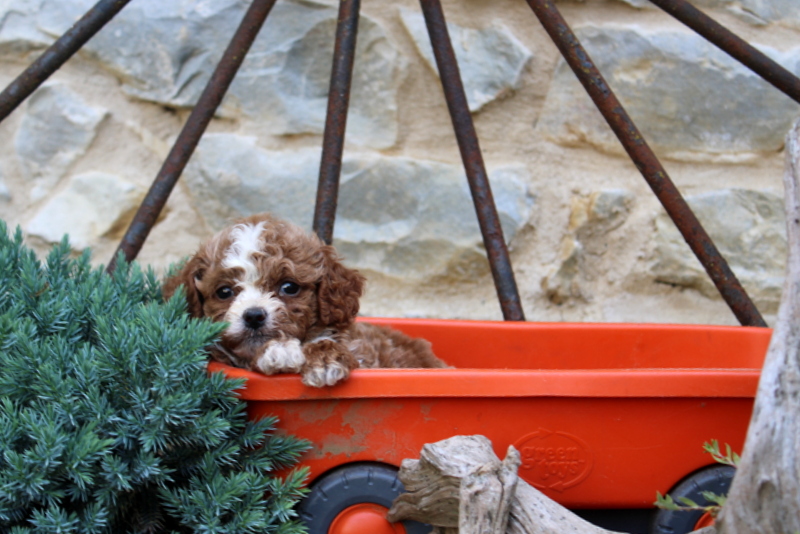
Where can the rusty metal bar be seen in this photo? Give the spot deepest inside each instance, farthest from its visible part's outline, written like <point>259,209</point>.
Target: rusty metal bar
<point>194,128</point>
<point>336,119</point>
<point>733,45</point>
<point>645,160</point>
<point>57,54</point>
<point>467,138</point>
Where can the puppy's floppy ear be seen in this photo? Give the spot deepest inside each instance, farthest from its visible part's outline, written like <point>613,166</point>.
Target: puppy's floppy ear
<point>339,291</point>
<point>189,277</point>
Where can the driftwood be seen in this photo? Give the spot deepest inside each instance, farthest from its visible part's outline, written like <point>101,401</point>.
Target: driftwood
<point>765,494</point>
<point>460,483</point>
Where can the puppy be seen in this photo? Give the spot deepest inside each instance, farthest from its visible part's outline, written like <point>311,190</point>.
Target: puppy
<point>290,303</point>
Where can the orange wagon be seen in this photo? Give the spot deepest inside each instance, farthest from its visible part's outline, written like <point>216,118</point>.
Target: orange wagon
<point>604,415</point>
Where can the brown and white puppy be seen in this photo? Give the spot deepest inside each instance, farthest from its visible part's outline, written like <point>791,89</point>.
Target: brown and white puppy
<point>290,303</point>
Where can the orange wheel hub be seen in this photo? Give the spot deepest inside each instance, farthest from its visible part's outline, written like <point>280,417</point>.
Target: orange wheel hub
<point>706,520</point>
<point>364,518</point>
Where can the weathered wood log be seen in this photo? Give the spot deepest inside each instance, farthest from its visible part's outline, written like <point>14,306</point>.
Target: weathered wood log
<point>460,482</point>
<point>765,494</point>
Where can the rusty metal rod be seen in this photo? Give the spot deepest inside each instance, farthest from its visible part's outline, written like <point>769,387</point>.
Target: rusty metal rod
<point>57,54</point>
<point>645,160</point>
<point>733,45</point>
<point>467,138</point>
<point>194,128</point>
<point>336,119</point>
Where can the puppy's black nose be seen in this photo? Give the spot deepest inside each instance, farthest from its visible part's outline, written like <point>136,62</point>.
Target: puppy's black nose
<point>255,317</point>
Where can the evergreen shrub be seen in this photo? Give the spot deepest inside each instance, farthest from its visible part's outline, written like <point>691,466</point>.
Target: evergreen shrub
<point>109,421</point>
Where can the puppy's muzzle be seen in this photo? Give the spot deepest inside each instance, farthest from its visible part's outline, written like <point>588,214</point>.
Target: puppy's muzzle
<point>254,318</point>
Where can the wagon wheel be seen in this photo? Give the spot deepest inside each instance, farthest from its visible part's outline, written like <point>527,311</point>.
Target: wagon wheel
<point>354,499</point>
<point>716,479</point>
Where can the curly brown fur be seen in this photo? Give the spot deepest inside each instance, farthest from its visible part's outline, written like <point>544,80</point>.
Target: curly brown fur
<point>291,305</point>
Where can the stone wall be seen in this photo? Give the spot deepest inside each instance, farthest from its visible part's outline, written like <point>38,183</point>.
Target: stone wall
<point>588,239</point>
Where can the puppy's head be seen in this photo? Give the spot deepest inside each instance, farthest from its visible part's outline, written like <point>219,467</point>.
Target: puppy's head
<point>270,280</point>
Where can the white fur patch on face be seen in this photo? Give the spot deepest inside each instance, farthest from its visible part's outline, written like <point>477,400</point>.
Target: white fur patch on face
<point>246,241</point>
<point>326,375</point>
<point>251,297</point>
<point>281,357</point>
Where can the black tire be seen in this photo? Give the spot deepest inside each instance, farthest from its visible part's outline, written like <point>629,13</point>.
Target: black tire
<point>716,479</point>
<point>349,485</point>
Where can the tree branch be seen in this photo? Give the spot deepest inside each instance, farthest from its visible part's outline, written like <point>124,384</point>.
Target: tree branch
<point>765,494</point>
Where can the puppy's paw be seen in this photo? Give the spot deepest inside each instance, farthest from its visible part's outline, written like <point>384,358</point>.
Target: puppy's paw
<point>327,363</point>
<point>282,356</point>
<point>325,375</point>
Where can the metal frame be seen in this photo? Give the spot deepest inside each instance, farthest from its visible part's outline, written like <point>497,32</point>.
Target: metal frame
<point>467,138</point>
<point>338,101</point>
<point>57,54</point>
<point>192,131</point>
<point>336,119</point>
<point>646,161</point>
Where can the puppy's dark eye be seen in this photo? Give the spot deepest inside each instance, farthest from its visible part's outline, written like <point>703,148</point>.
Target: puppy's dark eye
<point>224,293</point>
<point>289,289</point>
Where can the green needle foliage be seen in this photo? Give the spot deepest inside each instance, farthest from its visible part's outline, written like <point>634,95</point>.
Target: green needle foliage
<point>109,421</point>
